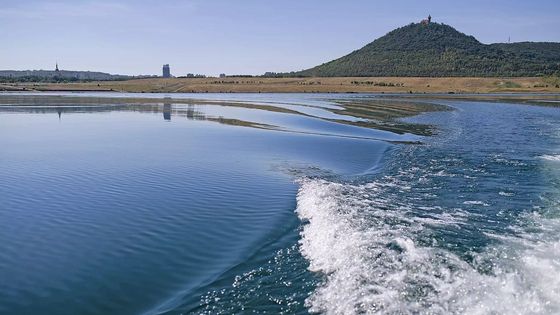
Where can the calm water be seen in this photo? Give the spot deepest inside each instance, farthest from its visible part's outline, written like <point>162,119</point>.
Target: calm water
<point>208,209</point>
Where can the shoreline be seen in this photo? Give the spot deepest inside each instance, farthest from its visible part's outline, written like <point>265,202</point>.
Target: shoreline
<point>551,99</point>
<point>392,85</point>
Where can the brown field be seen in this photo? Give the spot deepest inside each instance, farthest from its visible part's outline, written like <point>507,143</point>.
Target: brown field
<point>303,85</point>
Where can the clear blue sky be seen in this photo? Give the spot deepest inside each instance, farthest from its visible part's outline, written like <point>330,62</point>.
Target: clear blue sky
<point>237,36</point>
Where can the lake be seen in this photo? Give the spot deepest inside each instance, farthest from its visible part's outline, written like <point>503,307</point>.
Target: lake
<point>276,203</point>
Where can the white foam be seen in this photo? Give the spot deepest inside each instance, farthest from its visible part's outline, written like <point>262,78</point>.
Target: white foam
<point>550,157</point>
<point>476,203</point>
<point>367,250</point>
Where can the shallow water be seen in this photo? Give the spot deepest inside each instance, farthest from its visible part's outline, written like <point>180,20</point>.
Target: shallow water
<point>177,209</point>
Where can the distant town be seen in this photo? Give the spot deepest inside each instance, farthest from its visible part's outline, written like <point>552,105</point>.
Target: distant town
<point>61,75</point>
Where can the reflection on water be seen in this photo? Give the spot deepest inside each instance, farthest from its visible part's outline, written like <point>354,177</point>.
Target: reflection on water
<point>368,111</point>
<point>167,109</point>
<point>243,115</point>
<point>190,111</point>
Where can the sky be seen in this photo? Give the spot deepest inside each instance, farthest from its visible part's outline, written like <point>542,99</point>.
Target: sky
<point>210,37</point>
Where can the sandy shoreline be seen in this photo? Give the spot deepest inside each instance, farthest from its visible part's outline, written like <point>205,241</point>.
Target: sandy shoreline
<point>454,85</point>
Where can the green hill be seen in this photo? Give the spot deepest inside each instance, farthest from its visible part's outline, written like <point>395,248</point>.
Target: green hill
<point>439,50</point>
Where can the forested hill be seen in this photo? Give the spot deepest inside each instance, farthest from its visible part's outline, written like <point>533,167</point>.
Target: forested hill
<point>438,50</point>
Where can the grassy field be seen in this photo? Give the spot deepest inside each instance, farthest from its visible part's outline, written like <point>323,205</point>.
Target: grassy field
<point>304,85</point>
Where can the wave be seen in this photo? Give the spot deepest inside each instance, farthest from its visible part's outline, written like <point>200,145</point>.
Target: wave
<point>365,242</point>
<point>550,157</point>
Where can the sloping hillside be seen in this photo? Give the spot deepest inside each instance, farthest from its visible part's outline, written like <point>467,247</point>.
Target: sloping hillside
<point>440,50</point>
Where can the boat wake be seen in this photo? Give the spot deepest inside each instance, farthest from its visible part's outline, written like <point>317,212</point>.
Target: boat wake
<point>377,254</point>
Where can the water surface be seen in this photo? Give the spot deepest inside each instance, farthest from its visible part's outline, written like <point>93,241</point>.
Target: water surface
<point>172,208</point>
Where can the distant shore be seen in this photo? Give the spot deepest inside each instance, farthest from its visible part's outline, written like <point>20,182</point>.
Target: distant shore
<point>453,85</point>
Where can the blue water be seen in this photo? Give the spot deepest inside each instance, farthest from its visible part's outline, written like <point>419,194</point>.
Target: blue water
<point>124,210</point>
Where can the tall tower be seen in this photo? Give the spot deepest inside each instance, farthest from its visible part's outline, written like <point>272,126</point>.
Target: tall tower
<point>166,71</point>
<point>56,75</point>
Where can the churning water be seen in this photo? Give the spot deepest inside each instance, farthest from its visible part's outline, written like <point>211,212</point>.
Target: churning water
<point>210,210</point>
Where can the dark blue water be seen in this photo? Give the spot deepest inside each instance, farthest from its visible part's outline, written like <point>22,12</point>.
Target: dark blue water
<point>180,209</point>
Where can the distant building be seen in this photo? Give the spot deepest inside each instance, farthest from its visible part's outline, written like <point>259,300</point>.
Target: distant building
<point>56,68</point>
<point>427,21</point>
<point>222,75</point>
<point>166,71</point>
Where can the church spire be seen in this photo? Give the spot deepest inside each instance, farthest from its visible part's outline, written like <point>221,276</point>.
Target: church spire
<point>56,68</point>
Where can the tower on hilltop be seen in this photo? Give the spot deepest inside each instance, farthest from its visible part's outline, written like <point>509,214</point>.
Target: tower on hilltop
<point>427,21</point>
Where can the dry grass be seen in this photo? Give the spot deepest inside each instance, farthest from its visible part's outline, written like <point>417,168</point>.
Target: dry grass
<point>304,85</point>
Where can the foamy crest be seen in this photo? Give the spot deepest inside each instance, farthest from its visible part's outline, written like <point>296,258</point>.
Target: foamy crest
<point>365,243</point>
<point>549,157</point>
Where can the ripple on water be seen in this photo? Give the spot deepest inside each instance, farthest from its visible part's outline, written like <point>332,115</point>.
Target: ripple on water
<point>79,227</point>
